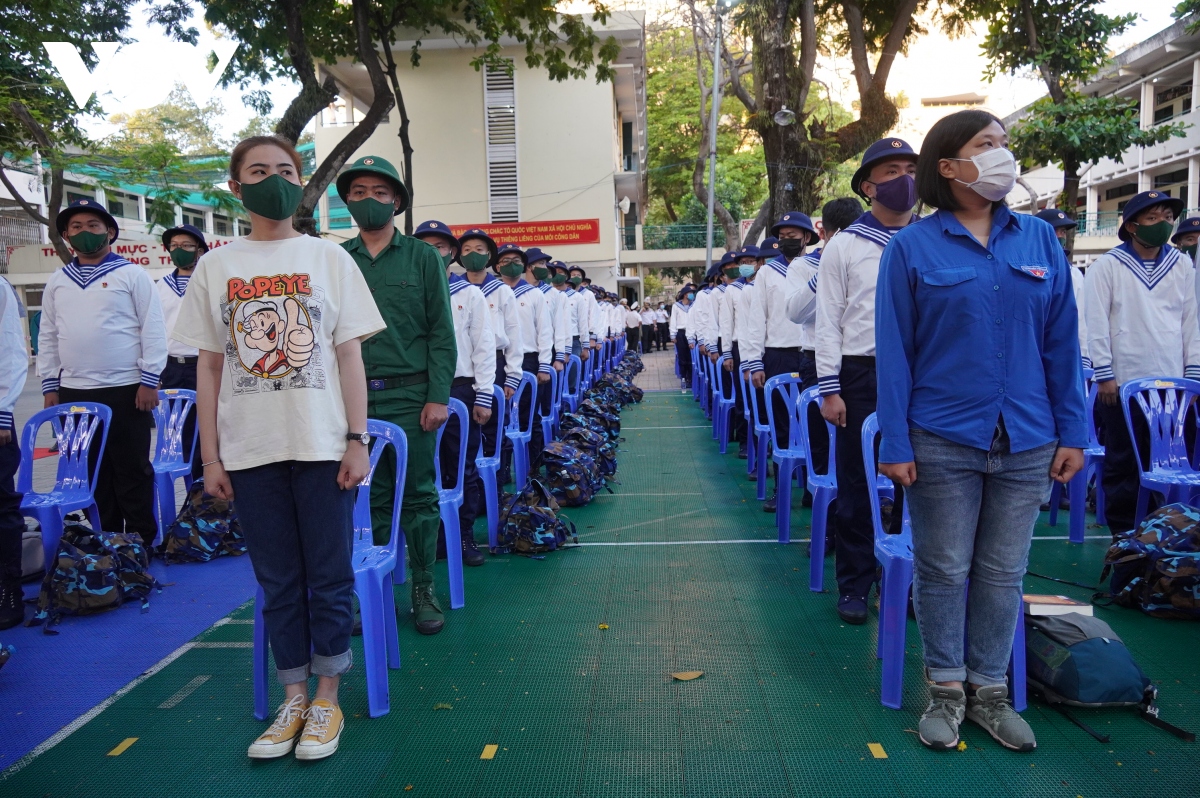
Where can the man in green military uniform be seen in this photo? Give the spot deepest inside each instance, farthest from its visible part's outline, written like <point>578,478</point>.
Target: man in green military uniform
<point>409,366</point>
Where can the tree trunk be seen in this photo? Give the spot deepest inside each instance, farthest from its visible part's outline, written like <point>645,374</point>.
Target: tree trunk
<point>405,143</point>
<point>314,94</point>
<point>381,103</point>
<point>39,136</point>
<point>761,220</point>
<point>1070,193</point>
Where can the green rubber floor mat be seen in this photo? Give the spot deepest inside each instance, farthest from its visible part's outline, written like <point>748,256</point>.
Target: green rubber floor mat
<point>565,665</point>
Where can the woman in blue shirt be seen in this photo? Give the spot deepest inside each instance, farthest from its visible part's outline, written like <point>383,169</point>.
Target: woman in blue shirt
<point>980,406</point>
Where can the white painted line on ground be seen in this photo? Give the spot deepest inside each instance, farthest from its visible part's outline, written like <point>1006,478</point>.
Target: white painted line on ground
<point>642,523</point>
<point>79,722</point>
<point>184,692</point>
<point>242,621</point>
<point>618,495</point>
<point>693,426</point>
<point>223,645</point>
<point>688,542</point>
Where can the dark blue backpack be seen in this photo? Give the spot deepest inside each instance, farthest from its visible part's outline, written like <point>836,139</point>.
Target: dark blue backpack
<point>596,446</point>
<point>1078,660</point>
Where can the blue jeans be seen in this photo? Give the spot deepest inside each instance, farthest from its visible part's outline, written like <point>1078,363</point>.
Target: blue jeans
<point>972,514</point>
<point>299,528</point>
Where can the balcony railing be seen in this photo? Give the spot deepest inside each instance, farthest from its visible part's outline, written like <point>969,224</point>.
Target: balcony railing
<point>672,236</point>
<point>1104,223</point>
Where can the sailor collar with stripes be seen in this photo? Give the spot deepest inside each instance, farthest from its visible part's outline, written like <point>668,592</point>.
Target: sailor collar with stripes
<point>1149,272</point>
<point>522,288</point>
<point>175,284</point>
<point>870,228</point>
<point>491,283</point>
<point>458,283</point>
<point>84,275</point>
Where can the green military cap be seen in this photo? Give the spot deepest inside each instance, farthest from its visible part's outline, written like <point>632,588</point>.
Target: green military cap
<point>373,164</point>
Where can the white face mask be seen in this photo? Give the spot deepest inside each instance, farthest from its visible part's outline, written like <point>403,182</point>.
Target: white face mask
<point>997,173</point>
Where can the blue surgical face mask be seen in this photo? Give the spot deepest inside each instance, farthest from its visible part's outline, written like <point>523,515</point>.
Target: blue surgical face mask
<point>747,270</point>
<point>691,297</point>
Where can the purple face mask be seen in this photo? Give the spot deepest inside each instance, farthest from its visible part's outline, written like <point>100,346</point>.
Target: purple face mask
<point>898,194</point>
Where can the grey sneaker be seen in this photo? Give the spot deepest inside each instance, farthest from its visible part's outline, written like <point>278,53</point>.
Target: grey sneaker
<point>991,709</point>
<point>939,725</point>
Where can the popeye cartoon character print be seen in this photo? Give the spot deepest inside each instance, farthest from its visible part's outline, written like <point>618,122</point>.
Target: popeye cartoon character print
<point>272,333</point>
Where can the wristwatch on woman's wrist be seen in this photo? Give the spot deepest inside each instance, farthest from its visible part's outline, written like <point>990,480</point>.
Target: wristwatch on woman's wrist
<point>362,437</point>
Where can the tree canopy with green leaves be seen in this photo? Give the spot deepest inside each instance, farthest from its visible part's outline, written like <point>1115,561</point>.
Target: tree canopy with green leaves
<point>1065,42</point>
<point>287,38</point>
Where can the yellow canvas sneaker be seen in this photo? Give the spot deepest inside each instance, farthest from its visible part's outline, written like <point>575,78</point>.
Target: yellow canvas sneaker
<point>284,732</point>
<point>322,730</point>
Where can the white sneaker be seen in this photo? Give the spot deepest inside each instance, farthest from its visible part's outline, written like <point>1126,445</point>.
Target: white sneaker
<point>284,732</point>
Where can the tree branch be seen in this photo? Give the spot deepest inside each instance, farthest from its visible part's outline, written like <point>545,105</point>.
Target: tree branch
<point>1035,50</point>
<point>381,103</point>
<point>314,94</point>
<point>33,211</point>
<point>858,46</point>
<point>894,40</point>
<point>42,139</point>
<point>808,53</point>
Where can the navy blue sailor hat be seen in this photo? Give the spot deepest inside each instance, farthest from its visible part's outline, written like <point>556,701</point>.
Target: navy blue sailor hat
<point>1140,202</point>
<point>189,229</point>
<point>797,220</point>
<point>882,150</point>
<point>1056,218</point>
<point>86,206</point>
<point>436,228</point>
<point>1188,225</point>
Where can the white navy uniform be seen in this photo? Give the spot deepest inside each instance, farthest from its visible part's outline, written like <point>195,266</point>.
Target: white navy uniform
<point>171,289</point>
<point>727,320</point>
<point>1077,288</point>
<point>506,327</point>
<point>14,355</point>
<point>767,324</point>
<point>701,321</point>
<point>556,301</point>
<point>679,318</point>
<point>802,302</point>
<point>474,337</point>
<point>537,332</point>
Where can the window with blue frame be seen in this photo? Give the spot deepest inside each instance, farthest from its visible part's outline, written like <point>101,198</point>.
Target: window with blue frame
<point>339,214</point>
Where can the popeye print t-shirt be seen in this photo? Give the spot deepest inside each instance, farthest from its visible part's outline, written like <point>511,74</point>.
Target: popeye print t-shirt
<point>276,311</point>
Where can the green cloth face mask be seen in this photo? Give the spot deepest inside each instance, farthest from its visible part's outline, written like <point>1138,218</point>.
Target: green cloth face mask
<point>514,269</point>
<point>273,198</point>
<point>1190,251</point>
<point>447,259</point>
<point>370,213</point>
<point>576,281</point>
<point>540,272</point>
<point>475,261</point>
<point>559,279</point>
<point>88,243</point>
<point>1154,235</point>
<point>184,258</point>
<point>732,272</point>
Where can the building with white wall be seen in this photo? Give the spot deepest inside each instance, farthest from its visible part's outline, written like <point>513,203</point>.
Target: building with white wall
<point>1160,75</point>
<point>536,162</point>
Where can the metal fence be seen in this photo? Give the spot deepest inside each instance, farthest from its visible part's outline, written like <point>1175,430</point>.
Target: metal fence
<point>674,236</point>
<point>16,231</point>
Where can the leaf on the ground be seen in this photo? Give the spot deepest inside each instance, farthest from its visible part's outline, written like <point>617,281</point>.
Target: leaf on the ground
<point>687,676</point>
<point>602,626</point>
<point>436,707</point>
<point>962,746</point>
<point>407,787</point>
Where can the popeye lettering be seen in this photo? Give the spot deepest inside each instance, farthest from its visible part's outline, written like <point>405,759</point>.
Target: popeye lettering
<point>276,285</point>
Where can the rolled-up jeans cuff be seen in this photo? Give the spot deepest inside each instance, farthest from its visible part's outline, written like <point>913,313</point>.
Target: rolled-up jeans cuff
<point>946,674</point>
<point>979,680</point>
<point>332,666</point>
<point>293,675</point>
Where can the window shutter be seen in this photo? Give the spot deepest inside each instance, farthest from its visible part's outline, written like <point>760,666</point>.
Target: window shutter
<point>500,116</point>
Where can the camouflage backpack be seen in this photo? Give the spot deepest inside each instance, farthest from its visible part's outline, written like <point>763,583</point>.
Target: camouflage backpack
<point>93,572</point>
<point>530,524</point>
<point>1156,567</point>
<point>604,413</point>
<point>206,527</point>
<point>596,446</point>
<point>572,476</point>
<point>572,421</point>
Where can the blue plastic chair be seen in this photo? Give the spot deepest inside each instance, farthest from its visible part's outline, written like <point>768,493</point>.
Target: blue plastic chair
<point>758,436</point>
<point>572,385</point>
<point>823,488</point>
<point>1093,468</point>
<point>788,455</point>
<point>74,427</point>
<point>894,553</point>
<point>1165,403</point>
<point>520,430</point>
<point>489,468</point>
<point>451,499</point>
<point>375,568</point>
<point>548,420</point>
<point>724,405</point>
<point>172,459</point>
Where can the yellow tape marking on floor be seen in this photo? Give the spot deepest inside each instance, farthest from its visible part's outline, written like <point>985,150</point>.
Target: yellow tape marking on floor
<point>877,750</point>
<point>123,747</point>
<point>489,752</point>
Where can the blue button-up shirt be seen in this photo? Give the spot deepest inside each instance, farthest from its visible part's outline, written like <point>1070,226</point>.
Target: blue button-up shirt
<point>966,333</point>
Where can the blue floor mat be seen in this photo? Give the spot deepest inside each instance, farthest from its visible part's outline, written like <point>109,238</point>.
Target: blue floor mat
<point>52,680</point>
